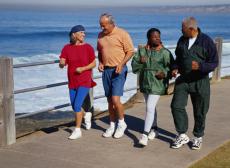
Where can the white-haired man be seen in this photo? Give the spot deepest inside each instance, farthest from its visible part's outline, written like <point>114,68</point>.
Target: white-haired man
<point>196,57</point>
<point>115,48</point>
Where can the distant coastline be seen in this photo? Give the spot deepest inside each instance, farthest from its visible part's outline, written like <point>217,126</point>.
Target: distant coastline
<point>223,8</point>
<point>192,9</point>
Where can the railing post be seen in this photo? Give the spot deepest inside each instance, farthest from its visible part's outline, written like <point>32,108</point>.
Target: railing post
<point>216,76</point>
<point>7,115</point>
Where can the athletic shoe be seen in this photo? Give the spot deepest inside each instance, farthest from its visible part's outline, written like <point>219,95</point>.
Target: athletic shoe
<point>87,117</point>
<point>144,140</point>
<point>180,141</point>
<point>196,143</point>
<point>109,132</point>
<point>153,134</point>
<point>75,134</point>
<point>120,130</point>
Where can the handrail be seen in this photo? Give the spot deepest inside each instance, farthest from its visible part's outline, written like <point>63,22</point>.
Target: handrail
<point>42,111</point>
<point>64,105</point>
<point>171,47</point>
<point>7,116</point>
<point>39,87</point>
<point>50,85</point>
<point>224,67</point>
<point>226,41</point>
<point>35,64</point>
<point>57,61</point>
<point>65,83</point>
<point>226,54</point>
<point>60,84</point>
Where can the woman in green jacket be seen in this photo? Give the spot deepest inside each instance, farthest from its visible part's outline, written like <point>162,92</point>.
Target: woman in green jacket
<point>152,62</point>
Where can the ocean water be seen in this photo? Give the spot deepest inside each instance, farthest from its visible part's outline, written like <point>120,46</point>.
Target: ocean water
<point>39,35</point>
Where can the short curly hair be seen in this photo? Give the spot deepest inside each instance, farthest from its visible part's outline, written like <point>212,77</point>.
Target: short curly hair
<point>150,31</point>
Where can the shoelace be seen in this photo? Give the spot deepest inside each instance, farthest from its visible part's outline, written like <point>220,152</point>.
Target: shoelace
<point>178,140</point>
<point>197,142</point>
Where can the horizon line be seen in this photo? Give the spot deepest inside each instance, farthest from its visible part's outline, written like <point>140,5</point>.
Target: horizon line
<point>6,5</point>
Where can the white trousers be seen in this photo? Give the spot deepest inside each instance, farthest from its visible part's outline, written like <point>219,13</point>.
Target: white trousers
<point>151,114</point>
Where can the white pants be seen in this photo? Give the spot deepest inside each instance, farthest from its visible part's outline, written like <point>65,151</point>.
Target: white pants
<point>151,114</point>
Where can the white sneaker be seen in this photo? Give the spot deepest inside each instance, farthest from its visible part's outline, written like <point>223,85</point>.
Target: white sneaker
<point>109,132</point>
<point>144,140</point>
<point>196,143</point>
<point>120,130</point>
<point>180,141</point>
<point>87,117</point>
<point>75,134</point>
<point>152,135</point>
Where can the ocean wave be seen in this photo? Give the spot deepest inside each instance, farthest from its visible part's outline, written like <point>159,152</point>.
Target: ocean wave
<point>36,58</point>
<point>47,34</point>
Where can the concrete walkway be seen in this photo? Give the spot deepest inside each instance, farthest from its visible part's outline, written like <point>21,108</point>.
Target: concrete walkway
<point>54,150</point>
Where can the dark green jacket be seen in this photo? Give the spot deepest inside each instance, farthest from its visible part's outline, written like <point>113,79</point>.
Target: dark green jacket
<point>203,51</point>
<point>156,61</point>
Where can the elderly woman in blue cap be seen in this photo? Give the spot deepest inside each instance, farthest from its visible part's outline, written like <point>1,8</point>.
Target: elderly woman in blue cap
<point>80,59</point>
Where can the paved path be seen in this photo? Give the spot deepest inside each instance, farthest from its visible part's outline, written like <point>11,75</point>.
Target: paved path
<point>54,150</point>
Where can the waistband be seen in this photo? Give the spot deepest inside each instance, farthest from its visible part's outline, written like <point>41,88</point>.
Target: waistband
<point>109,67</point>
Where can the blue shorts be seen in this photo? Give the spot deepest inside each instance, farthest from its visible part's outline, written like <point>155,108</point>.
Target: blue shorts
<point>113,83</point>
<point>77,97</point>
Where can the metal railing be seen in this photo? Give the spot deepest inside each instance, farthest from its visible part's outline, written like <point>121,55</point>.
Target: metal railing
<point>35,64</point>
<point>64,83</point>
<point>226,55</point>
<point>51,86</point>
<point>7,114</point>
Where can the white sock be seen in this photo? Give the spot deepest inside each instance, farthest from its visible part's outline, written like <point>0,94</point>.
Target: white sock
<point>144,135</point>
<point>182,135</point>
<point>112,124</point>
<point>121,121</point>
<point>87,113</point>
<point>77,129</point>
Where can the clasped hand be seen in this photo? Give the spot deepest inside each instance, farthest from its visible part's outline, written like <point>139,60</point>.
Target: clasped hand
<point>160,75</point>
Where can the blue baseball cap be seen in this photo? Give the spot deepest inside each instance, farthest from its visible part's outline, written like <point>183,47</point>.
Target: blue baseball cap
<point>76,28</point>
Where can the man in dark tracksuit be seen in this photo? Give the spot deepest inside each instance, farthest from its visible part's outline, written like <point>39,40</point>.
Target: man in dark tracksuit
<point>196,57</point>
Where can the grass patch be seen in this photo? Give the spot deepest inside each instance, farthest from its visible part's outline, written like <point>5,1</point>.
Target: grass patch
<point>220,158</point>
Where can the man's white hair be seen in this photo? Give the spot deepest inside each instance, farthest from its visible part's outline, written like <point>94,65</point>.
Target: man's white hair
<point>190,22</point>
<point>109,17</point>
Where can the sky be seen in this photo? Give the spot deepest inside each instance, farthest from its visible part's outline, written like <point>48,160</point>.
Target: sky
<point>113,2</point>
